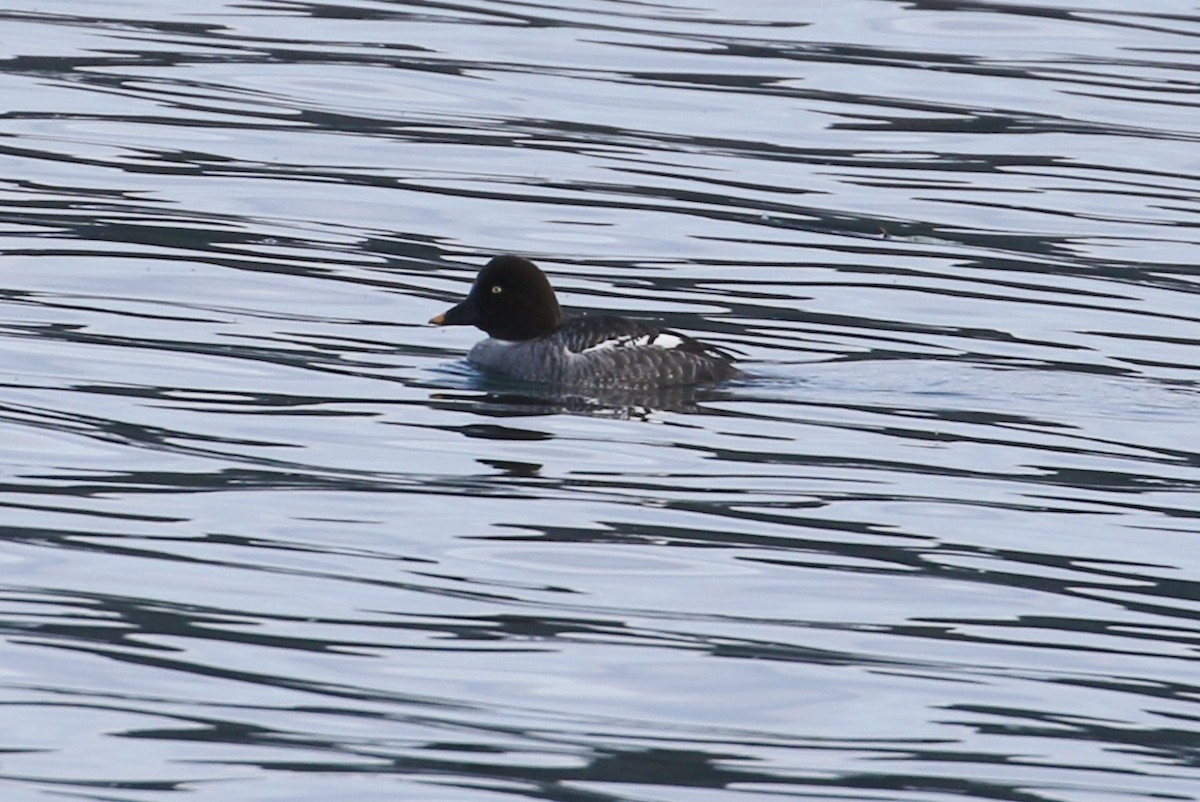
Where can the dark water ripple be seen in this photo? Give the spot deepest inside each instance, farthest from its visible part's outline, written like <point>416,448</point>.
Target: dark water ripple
<point>265,536</point>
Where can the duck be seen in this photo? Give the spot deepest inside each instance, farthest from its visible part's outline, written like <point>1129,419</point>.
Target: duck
<point>530,339</point>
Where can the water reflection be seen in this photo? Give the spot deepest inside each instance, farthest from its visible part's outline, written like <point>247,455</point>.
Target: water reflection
<point>525,399</point>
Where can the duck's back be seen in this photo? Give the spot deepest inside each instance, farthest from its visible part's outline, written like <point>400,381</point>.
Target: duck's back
<point>605,351</point>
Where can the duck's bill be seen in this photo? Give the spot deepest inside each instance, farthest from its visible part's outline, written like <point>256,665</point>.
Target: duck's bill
<point>465,314</point>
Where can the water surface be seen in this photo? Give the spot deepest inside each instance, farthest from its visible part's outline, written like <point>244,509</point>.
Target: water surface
<point>267,536</point>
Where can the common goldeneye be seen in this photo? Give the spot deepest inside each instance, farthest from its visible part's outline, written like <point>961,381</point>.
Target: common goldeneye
<point>529,338</point>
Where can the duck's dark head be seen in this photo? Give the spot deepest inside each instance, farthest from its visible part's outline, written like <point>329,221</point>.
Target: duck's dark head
<point>511,299</point>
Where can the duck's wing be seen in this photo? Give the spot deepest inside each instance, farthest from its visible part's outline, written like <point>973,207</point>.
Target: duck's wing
<point>617,349</point>
<point>595,333</point>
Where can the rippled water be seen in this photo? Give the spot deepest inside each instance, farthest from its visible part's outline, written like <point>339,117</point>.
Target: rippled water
<point>266,536</point>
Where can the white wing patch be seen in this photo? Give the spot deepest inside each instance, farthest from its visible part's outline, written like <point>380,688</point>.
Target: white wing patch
<point>661,339</point>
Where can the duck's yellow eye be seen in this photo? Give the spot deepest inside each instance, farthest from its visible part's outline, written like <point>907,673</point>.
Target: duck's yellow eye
<point>497,289</point>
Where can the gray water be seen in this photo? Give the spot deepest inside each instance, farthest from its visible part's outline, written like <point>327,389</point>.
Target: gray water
<point>267,536</point>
